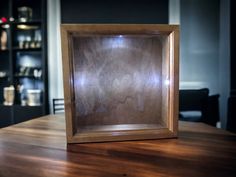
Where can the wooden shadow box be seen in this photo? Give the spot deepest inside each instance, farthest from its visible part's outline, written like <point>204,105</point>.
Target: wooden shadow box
<point>120,81</point>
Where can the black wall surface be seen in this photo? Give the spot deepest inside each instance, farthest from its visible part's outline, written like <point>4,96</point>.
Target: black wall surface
<point>233,47</point>
<point>114,11</point>
<point>231,124</point>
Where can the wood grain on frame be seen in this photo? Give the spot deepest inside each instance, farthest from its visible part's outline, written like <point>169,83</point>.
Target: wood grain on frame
<point>119,79</point>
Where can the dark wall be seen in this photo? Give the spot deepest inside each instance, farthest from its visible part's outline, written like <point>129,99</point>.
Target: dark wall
<point>233,47</point>
<point>114,11</point>
<point>231,124</point>
<point>199,41</point>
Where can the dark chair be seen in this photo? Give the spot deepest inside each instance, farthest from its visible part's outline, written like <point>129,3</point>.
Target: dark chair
<point>197,106</point>
<point>58,105</point>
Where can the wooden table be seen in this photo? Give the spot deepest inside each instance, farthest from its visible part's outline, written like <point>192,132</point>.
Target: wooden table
<point>38,148</point>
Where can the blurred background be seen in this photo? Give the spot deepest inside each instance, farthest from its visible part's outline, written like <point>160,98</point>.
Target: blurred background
<point>31,63</point>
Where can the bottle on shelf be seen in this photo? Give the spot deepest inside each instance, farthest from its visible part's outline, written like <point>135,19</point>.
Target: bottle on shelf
<point>19,94</point>
<point>3,74</point>
<point>3,40</point>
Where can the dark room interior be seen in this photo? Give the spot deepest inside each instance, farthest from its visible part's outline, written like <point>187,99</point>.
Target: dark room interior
<point>54,123</point>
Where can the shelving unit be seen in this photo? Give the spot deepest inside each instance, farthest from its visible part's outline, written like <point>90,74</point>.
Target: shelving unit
<point>23,59</point>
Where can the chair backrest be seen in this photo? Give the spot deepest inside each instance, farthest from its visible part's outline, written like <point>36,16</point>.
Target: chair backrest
<point>58,105</point>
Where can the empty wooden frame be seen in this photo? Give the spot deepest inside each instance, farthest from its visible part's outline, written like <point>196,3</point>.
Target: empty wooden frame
<point>120,81</point>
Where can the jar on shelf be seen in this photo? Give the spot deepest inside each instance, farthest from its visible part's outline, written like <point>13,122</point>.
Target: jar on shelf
<point>24,14</point>
<point>9,95</point>
<point>33,97</point>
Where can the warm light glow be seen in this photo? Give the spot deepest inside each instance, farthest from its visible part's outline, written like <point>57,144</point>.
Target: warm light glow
<point>28,60</point>
<point>21,38</point>
<point>82,80</point>
<point>155,79</point>
<point>118,42</point>
<point>6,26</point>
<point>167,82</point>
<point>27,27</point>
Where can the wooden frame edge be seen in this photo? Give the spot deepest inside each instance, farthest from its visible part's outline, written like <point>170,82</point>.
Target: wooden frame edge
<point>172,31</point>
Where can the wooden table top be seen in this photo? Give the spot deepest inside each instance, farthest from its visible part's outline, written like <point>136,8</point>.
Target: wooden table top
<point>37,148</point>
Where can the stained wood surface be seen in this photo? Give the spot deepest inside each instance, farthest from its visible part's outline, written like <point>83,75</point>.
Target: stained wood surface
<point>118,79</point>
<point>37,148</point>
<point>120,74</point>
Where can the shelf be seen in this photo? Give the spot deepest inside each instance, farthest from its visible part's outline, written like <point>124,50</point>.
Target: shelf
<point>4,51</point>
<point>33,22</point>
<point>4,77</point>
<point>18,65</point>
<point>18,105</point>
<point>26,49</point>
<point>27,76</point>
<point>5,25</point>
<point>2,105</point>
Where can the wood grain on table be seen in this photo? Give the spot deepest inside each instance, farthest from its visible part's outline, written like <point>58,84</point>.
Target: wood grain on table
<point>37,148</point>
